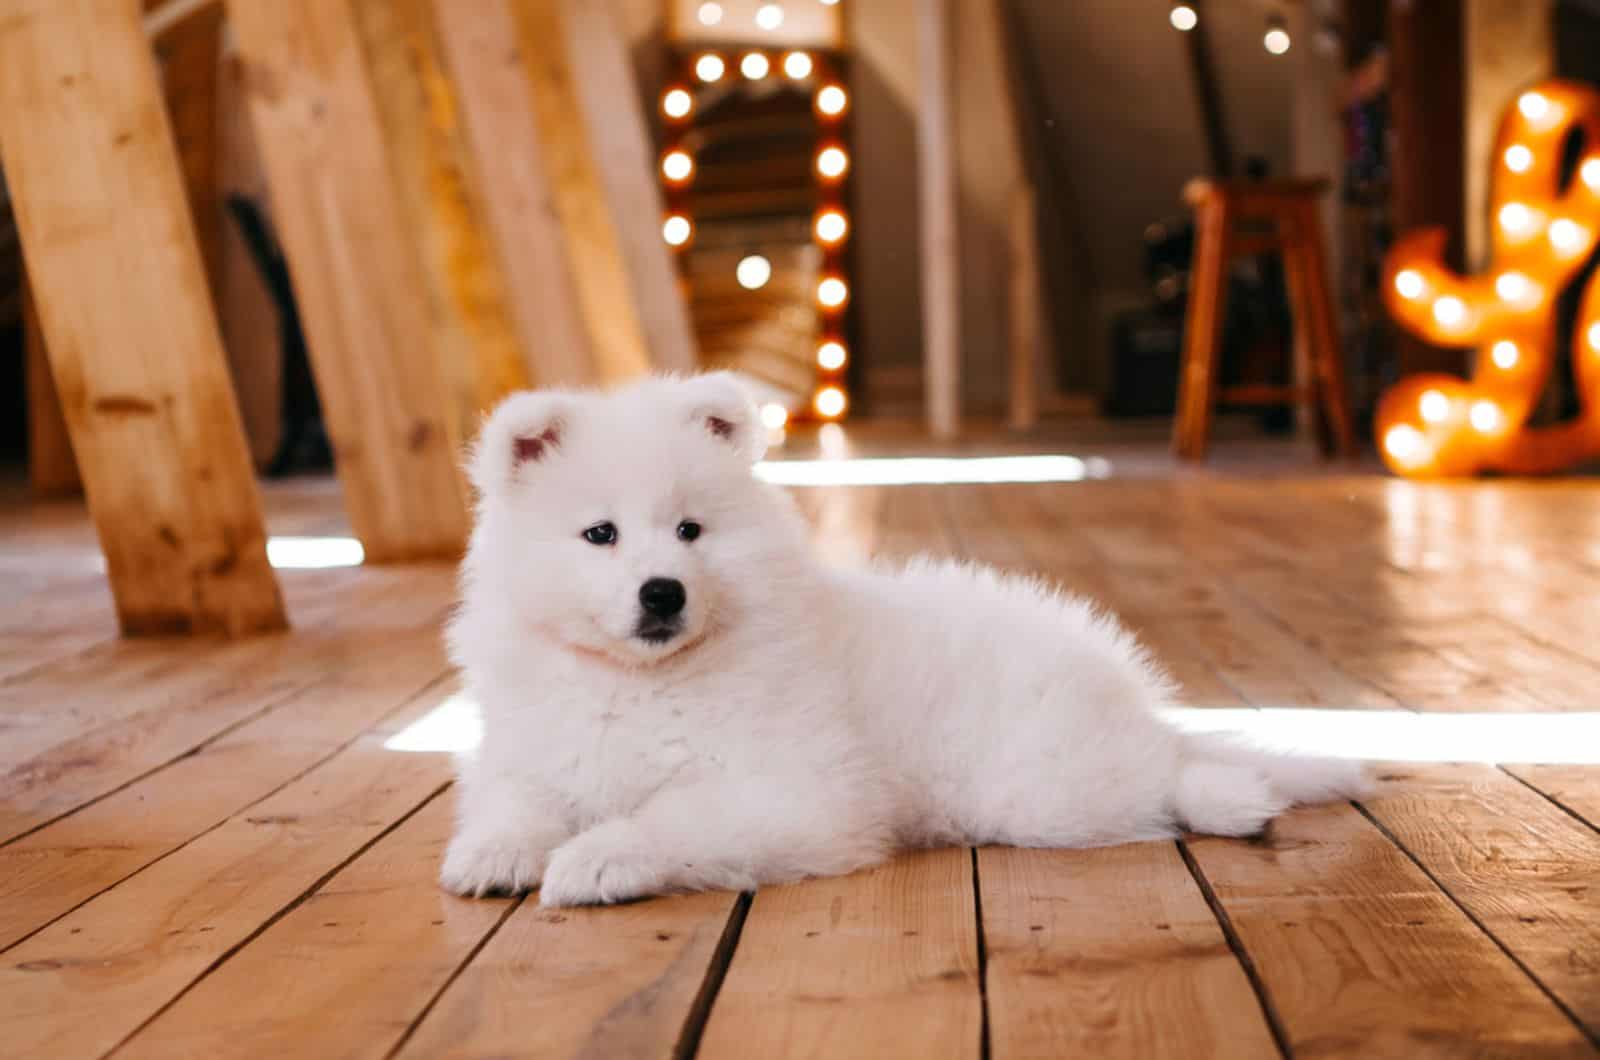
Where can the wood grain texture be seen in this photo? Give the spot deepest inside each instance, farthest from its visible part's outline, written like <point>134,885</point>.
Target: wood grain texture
<point>122,299</point>
<point>881,963</point>
<point>360,288</point>
<point>595,246</point>
<point>939,213</point>
<point>1110,952</point>
<point>617,981</point>
<point>471,330</point>
<point>93,977</point>
<point>52,469</point>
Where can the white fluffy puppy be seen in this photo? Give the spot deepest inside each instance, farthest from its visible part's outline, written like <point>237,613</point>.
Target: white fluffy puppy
<point>678,695</point>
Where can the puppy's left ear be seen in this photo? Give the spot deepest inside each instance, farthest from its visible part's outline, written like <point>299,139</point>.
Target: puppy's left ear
<point>721,406</point>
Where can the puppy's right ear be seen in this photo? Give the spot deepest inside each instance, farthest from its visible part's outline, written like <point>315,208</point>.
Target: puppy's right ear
<point>526,429</point>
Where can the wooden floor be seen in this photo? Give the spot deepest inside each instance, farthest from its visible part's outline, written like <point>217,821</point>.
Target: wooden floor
<point>216,849</point>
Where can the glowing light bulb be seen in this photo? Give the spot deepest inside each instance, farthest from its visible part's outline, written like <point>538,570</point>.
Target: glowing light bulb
<point>754,66</point>
<point>677,103</point>
<point>1590,172</point>
<point>676,230</point>
<point>1434,406</point>
<point>1518,158</point>
<point>832,292</point>
<point>1533,106</point>
<point>832,100</point>
<point>1504,354</point>
<point>677,166</point>
<point>1516,219</point>
<point>1406,444</point>
<point>753,272</point>
<point>797,65</point>
<point>1566,236</point>
<point>829,402</point>
<point>830,356</point>
<point>710,68</point>
<point>1513,286</point>
<point>1450,311</point>
<point>774,416</point>
<point>1593,335</point>
<point>769,16</point>
<point>1409,283</point>
<point>1276,41</point>
<point>1183,18</point>
<point>829,3</point>
<point>709,14</point>
<point>832,162</point>
<point>1485,416</point>
<point>831,226</point>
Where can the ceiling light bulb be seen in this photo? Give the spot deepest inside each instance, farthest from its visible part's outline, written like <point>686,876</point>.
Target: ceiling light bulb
<point>1183,17</point>
<point>709,14</point>
<point>769,16</point>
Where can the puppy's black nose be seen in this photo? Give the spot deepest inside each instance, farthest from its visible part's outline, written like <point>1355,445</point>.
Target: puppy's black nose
<point>662,597</point>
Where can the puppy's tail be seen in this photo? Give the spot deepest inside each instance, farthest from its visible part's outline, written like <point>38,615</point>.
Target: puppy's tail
<point>1226,786</point>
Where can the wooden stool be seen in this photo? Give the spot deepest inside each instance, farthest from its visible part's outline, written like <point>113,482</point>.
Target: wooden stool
<point>1289,209</point>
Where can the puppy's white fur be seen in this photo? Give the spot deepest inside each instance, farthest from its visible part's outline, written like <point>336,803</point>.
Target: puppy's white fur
<point>803,721</point>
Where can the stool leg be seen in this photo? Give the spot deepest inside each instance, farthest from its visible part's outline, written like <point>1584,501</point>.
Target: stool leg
<point>1197,379</point>
<point>1326,354</point>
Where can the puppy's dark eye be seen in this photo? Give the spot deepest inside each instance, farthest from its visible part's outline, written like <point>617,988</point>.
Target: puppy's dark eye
<point>688,530</point>
<point>601,534</point>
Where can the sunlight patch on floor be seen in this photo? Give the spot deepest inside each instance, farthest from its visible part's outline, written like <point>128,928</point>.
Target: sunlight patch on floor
<point>919,470</point>
<point>453,726</point>
<point>1401,736</point>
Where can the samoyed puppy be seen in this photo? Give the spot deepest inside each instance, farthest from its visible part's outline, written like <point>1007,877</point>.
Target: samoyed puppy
<point>678,695</point>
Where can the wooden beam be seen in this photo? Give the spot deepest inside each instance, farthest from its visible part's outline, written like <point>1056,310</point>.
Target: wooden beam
<point>1208,95</point>
<point>472,331</point>
<point>941,269</point>
<point>52,469</point>
<point>594,244</point>
<point>360,288</point>
<point>122,300</point>
<point>1026,319</point>
<point>491,83</point>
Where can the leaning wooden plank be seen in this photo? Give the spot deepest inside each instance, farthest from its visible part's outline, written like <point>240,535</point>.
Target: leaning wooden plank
<point>1490,843</point>
<point>619,981</point>
<point>1110,952</point>
<point>941,268</point>
<point>382,938</point>
<point>359,286</point>
<point>593,242</point>
<point>1362,955</point>
<point>880,963</point>
<point>491,83</point>
<point>435,179</point>
<point>625,160</point>
<point>83,984</point>
<point>63,864</point>
<point>52,470</point>
<point>122,300</point>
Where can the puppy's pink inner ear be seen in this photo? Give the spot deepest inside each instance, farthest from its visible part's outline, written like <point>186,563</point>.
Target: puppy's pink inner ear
<point>528,447</point>
<point>720,427</point>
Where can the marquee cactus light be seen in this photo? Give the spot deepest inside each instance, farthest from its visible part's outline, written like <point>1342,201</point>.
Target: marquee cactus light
<point>1544,232</point>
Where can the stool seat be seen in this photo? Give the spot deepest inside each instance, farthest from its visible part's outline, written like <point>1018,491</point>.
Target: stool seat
<point>1245,219</point>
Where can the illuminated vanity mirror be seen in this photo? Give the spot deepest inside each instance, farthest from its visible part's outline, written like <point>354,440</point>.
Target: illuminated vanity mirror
<point>755,165</point>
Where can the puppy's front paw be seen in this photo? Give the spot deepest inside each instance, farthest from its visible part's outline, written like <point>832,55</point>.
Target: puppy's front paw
<point>609,863</point>
<point>475,866</point>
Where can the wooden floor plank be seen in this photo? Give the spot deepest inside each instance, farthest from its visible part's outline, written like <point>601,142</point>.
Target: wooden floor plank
<point>613,981</point>
<point>880,963</point>
<point>93,977</point>
<point>56,868</point>
<point>383,941</point>
<point>1110,953</point>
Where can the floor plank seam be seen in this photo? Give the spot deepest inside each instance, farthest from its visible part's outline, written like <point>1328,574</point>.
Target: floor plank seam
<point>450,980</point>
<point>1592,1036</point>
<point>1269,1010</point>
<point>985,1047</point>
<point>267,924</point>
<point>310,768</point>
<point>699,1014</point>
<point>1551,799</point>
